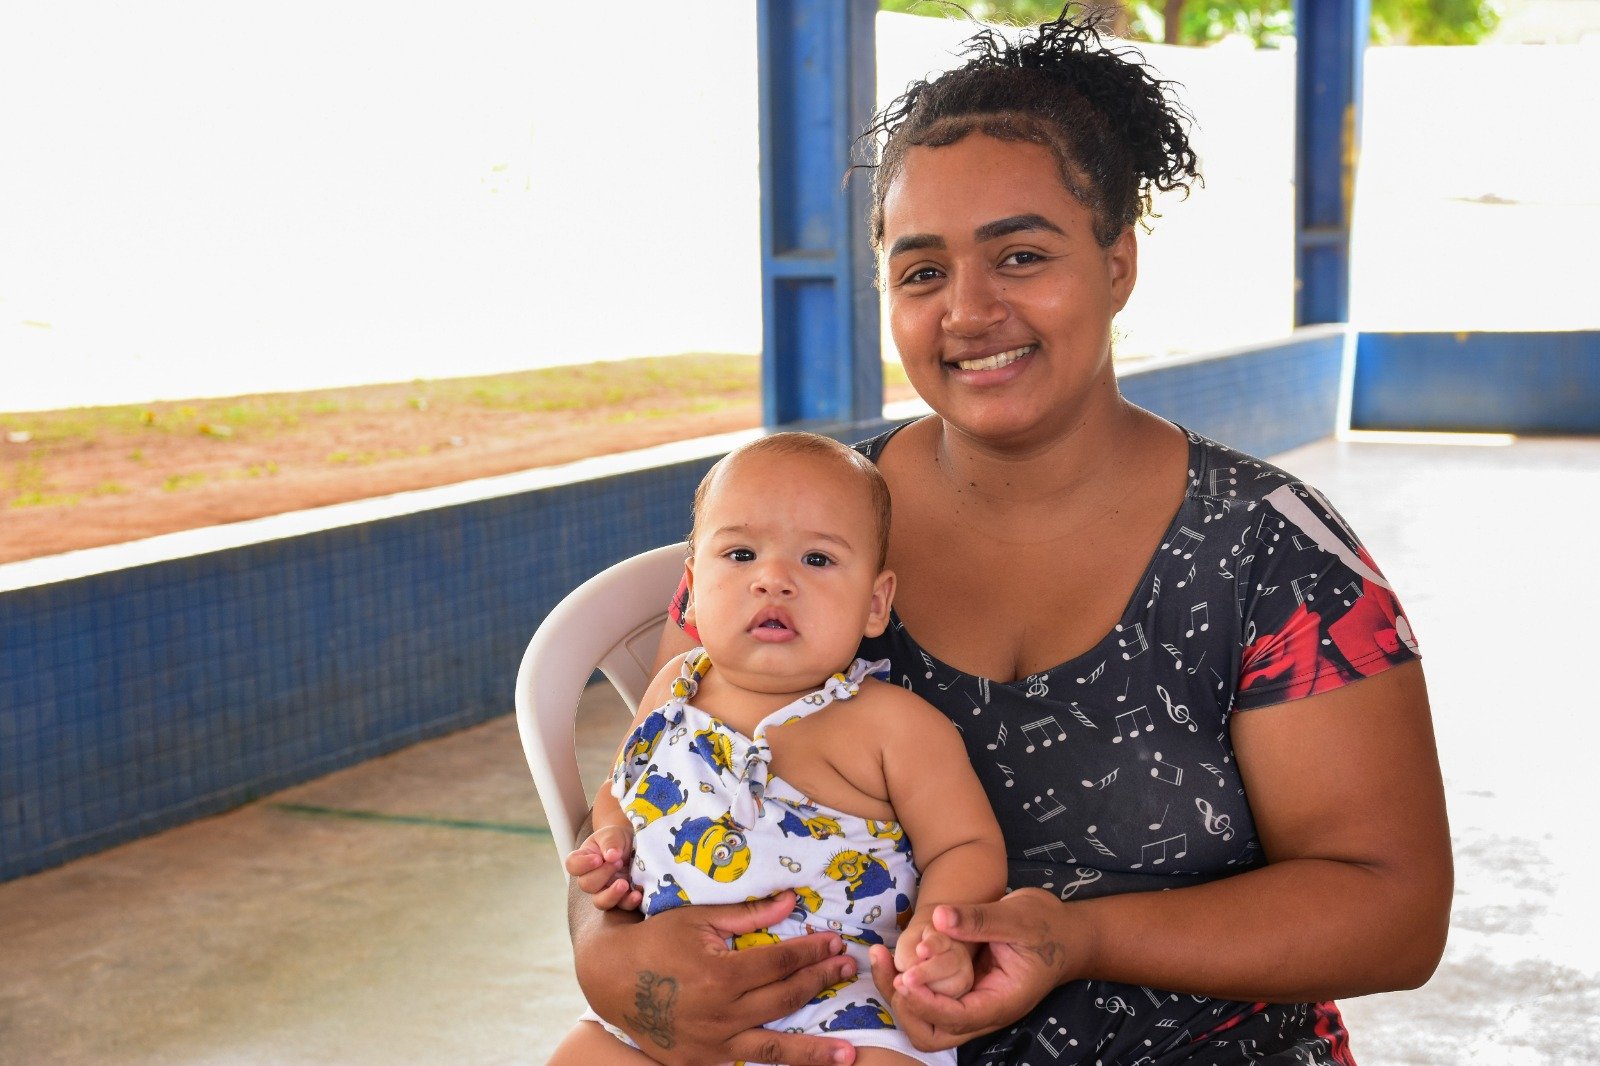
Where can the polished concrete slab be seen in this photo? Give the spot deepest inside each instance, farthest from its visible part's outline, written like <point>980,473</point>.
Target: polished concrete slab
<point>410,910</point>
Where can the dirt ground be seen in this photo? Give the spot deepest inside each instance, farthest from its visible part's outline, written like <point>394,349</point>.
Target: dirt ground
<point>93,476</point>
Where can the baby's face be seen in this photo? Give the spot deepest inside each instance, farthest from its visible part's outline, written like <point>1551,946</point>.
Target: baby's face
<point>785,578</point>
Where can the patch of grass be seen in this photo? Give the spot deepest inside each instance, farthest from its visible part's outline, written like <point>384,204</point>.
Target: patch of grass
<point>45,499</point>
<point>179,482</point>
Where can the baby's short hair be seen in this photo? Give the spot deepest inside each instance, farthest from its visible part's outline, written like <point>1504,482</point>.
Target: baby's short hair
<point>813,444</point>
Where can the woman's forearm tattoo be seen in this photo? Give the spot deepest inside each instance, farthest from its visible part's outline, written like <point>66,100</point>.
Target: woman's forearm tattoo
<point>653,1000</point>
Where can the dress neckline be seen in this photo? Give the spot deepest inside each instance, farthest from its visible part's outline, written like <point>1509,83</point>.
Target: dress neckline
<point>1199,459</point>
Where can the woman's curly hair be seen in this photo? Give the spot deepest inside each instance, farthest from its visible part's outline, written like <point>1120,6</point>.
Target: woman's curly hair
<point>1115,130</point>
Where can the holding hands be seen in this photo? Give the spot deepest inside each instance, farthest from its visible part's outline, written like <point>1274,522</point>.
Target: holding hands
<point>599,867</point>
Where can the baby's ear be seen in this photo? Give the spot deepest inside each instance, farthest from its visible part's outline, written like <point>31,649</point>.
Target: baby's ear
<point>882,601</point>
<point>688,595</point>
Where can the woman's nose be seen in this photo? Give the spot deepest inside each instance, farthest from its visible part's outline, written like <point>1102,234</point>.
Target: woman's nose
<point>974,305</point>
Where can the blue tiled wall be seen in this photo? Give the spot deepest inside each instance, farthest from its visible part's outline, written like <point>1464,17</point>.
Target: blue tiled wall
<point>1478,382</point>
<point>140,698</point>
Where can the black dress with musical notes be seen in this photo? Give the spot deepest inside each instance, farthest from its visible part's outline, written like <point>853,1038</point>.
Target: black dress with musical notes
<point>1114,772</point>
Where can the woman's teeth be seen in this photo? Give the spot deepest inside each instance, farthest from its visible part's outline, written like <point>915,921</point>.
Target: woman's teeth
<point>995,362</point>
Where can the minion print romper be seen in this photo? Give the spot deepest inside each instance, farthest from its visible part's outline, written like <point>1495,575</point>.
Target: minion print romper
<point>711,825</point>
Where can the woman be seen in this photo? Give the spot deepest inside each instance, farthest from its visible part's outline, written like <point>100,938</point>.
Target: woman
<point>1174,667</point>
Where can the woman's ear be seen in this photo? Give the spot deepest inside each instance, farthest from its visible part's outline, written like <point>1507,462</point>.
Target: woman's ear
<point>1122,262</point>
<point>882,601</point>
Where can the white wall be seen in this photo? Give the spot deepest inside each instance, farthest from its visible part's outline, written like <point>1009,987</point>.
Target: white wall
<point>201,198</point>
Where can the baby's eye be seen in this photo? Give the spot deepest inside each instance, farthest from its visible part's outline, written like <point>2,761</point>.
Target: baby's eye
<point>740,555</point>
<point>816,559</point>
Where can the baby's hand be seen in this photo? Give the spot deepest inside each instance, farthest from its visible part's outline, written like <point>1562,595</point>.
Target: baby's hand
<point>600,866</point>
<point>934,961</point>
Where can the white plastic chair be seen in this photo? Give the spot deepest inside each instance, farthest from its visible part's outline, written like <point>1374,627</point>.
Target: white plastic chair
<point>612,621</point>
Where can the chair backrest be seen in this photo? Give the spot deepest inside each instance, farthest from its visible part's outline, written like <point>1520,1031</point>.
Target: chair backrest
<point>612,622</point>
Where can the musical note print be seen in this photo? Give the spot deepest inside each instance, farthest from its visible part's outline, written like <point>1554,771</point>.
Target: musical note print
<point>1115,1005</point>
<point>1178,712</point>
<point>1155,826</point>
<point>1077,712</point>
<point>1156,1001</point>
<point>1049,852</point>
<point>1266,536</point>
<point>1094,675</point>
<point>1087,875</point>
<point>1302,588</point>
<point>1218,825</point>
<point>1193,669</point>
<point>1185,547</point>
<point>1189,577</point>
<point>1037,686</point>
<point>1000,739</point>
<point>1155,593</point>
<point>1175,772</point>
<point>1105,781</point>
<point>1138,638</point>
<point>1011,774</point>
<point>1044,726</point>
<point>1098,844</point>
<point>1045,807</point>
<point>1214,770</point>
<point>1046,1040</point>
<point>1130,730</point>
<point>1222,481</point>
<point>928,664</point>
<point>983,690</point>
<point>1145,849</point>
<point>1177,656</point>
<point>1199,618</point>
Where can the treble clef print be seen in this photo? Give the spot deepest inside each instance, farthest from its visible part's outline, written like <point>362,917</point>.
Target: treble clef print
<point>1037,686</point>
<point>1218,825</point>
<point>1178,712</point>
<point>1087,875</point>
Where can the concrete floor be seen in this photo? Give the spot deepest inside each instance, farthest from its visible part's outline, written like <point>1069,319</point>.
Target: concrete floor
<point>409,910</point>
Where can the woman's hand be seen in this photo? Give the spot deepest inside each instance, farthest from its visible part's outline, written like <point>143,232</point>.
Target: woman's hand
<point>675,986</point>
<point>1022,959</point>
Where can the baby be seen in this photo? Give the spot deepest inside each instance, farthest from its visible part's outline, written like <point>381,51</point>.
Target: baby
<point>771,758</point>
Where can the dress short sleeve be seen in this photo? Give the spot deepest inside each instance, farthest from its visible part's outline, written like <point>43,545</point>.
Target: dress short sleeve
<point>1318,612</point>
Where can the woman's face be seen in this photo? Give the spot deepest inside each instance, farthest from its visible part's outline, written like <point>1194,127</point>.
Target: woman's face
<point>1000,300</point>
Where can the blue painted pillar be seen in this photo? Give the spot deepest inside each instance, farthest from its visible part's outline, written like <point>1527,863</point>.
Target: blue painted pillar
<point>820,348</point>
<point>1331,39</point>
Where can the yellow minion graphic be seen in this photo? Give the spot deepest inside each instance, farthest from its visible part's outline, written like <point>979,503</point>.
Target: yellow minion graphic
<point>659,795</point>
<point>891,832</point>
<point>715,747</point>
<point>715,847</point>
<point>750,940</point>
<point>863,876</point>
<point>806,901</point>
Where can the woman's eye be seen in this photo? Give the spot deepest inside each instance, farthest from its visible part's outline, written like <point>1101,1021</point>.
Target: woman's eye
<point>816,559</point>
<point>1022,259</point>
<point>741,555</point>
<point>920,276</point>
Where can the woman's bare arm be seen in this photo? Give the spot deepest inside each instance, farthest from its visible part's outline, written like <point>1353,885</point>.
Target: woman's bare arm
<point>1349,804</point>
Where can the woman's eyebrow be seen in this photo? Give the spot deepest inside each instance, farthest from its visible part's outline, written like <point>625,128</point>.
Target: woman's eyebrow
<point>1015,224</point>
<point>914,242</point>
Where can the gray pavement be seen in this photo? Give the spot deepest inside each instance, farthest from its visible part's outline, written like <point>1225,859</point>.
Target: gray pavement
<point>409,910</point>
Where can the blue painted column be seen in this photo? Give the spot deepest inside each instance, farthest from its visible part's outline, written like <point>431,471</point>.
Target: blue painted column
<point>820,347</point>
<point>1331,39</point>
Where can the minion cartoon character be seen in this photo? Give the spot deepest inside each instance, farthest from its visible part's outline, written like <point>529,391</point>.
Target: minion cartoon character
<point>817,826</point>
<point>642,741</point>
<point>831,991</point>
<point>659,795</point>
<point>715,847</point>
<point>806,901</point>
<point>865,1015</point>
<point>891,832</point>
<point>715,747</point>
<point>863,876</point>
<point>750,940</point>
<point>902,911</point>
<point>668,894</point>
